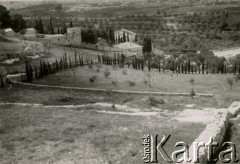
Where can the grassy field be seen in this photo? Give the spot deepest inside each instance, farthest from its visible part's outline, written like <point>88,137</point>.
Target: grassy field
<point>61,135</point>
<point>128,79</point>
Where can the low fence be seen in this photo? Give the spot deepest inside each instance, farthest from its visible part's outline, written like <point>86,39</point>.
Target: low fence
<point>100,48</point>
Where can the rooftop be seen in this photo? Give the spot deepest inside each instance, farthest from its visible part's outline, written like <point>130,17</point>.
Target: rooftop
<point>55,35</point>
<point>8,30</point>
<point>127,31</point>
<point>127,45</point>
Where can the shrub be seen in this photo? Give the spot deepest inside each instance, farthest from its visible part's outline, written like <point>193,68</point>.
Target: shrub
<point>113,105</point>
<point>131,83</point>
<point>66,99</point>
<point>107,73</point>
<point>109,92</point>
<point>114,67</point>
<point>90,66</point>
<point>230,82</point>
<point>124,72</point>
<point>154,102</point>
<point>145,82</point>
<point>98,70</point>
<point>114,83</point>
<point>92,79</point>
<point>192,81</point>
<point>237,77</point>
<point>192,93</point>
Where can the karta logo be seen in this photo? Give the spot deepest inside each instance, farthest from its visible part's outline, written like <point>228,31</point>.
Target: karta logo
<point>153,148</point>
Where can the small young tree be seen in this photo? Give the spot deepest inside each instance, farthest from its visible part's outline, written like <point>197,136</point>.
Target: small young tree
<point>192,93</point>
<point>230,82</point>
<point>107,73</point>
<point>149,79</point>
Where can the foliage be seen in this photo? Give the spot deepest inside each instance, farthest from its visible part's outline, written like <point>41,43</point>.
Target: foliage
<point>124,72</point>
<point>16,22</point>
<point>230,82</point>
<point>107,73</point>
<point>192,81</point>
<point>5,17</point>
<point>192,93</point>
<point>154,102</point>
<point>92,79</point>
<point>131,83</point>
<point>147,44</point>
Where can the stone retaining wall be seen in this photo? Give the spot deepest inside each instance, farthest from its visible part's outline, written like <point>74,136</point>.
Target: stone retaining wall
<point>217,130</point>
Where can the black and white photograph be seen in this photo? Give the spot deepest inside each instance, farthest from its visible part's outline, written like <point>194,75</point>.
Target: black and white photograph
<point>119,81</point>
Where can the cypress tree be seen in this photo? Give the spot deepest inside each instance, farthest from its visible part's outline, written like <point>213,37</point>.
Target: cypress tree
<point>30,73</point>
<point>225,70</point>
<point>222,67</point>
<point>41,28</point>
<point>71,24</point>
<point>182,69</point>
<point>51,27</point>
<point>203,67</point>
<point>142,64</point>
<point>37,26</point>
<point>49,68</point>
<point>149,66</point>
<point>207,68</point>
<point>159,66</point>
<point>163,66</point>
<point>75,58</point>
<point>124,37</point>
<point>235,68</point>
<point>36,72</point>
<point>239,68</point>
<point>119,39</point>
<point>189,66</point>
<point>213,70</point>
<point>64,28</point>
<point>128,37</point>
<point>27,70</point>
<point>123,60</point>
<point>173,64</point>
<point>70,62</point>
<point>2,83</point>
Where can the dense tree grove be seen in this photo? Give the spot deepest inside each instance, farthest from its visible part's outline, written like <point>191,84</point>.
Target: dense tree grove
<point>147,44</point>
<point>91,35</point>
<point>45,68</point>
<point>15,21</point>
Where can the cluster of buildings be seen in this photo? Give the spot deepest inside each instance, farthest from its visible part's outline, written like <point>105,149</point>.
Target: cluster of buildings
<point>129,47</point>
<point>73,38</point>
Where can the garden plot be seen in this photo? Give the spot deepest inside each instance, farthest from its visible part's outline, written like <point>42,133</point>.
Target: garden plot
<point>108,77</point>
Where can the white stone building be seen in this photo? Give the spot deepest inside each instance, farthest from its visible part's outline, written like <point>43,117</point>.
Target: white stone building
<point>71,38</point>
<point>29,32</point>
<point>130,49</point>
<point>74,37</point>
